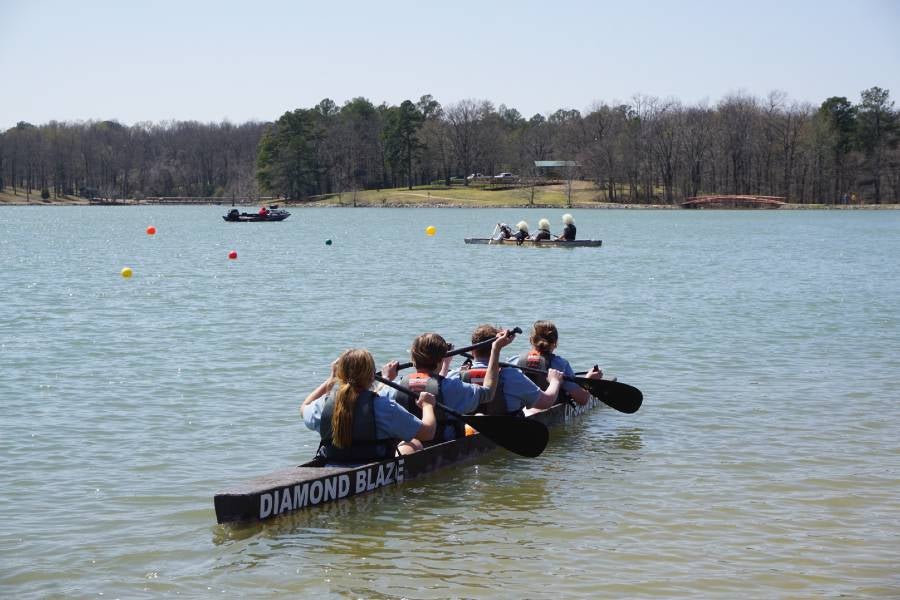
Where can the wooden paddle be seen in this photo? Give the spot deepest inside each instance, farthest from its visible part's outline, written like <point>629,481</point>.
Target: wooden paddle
<point>525,437</point>
<point>615,394</point>
<point>458,351</point>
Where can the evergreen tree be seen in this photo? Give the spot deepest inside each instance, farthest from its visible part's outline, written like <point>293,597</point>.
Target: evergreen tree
<point>401,141</point>
<point>876,131</point>
<point>287,164</point>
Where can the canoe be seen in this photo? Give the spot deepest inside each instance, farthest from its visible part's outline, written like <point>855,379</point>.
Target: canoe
<point>540,244</point>
<point>277,214</point>
<point>313,484</point>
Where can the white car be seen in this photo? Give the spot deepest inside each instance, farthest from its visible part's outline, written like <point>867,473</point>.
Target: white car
<point>505,176</point>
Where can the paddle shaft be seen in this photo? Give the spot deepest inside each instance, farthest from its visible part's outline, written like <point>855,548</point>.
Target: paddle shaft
<point>458,351</point>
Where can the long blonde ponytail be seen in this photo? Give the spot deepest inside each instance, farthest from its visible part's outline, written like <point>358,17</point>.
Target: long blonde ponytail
<point>354,371</point>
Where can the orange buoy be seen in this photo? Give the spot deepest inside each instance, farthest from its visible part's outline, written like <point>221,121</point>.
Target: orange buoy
<point>151,230</point>
<point>232,255</point>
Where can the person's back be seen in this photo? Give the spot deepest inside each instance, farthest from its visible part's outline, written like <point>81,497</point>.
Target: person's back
<point>357,425</point>
<point>541,356</point>
<point>514,391</point>
<point>521,232</point>
<point>428,353</point>
<point>568,233</point>
<point>543,232</point>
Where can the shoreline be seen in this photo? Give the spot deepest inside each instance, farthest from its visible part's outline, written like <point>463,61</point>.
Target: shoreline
<point>448,205</point>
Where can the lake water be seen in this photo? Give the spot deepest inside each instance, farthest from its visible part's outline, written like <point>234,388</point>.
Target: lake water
<point>764,462</point>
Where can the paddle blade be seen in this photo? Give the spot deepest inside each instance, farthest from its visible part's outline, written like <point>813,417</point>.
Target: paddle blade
<point>615,394</point>
<point>521,436</point>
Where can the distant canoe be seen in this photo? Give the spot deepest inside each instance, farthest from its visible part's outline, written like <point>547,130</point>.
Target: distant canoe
<point>540,244</point>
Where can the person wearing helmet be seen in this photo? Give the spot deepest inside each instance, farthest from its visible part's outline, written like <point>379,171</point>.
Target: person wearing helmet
<point>522,233</point>
<point>543,232</point>
<point>568,233</point>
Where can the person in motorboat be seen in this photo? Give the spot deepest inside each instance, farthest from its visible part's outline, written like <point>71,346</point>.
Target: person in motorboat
<point>514,392</point>
<point>521,232</point>
<point>233,214</point>
<point>544,339</point>
<point>263,211</point>
<point>429,357</point>
<point>543,232</point>
<point>568,233</point>
<point>357,425</point>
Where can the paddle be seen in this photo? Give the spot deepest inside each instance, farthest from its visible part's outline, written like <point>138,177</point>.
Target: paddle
<point>458,351</point>
<point>615,394</point>
<point>525,437</point>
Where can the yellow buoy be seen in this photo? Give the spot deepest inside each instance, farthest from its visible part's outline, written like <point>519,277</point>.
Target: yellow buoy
<point>431,230</point>
<point>126,272</point>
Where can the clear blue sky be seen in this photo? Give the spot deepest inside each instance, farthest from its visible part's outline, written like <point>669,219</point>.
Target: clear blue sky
<point>209,61</point>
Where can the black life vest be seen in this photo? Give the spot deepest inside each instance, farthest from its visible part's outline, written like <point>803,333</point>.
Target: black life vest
<point>497,406</point>
<point>365,446</point>
<point>521,236</point>
<point>569,232</point>
<point>542,234</point>
<point>536,360</point>
<point>448,427</point>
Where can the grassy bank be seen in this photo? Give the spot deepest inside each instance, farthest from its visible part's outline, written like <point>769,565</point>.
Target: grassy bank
<point>584,195</point>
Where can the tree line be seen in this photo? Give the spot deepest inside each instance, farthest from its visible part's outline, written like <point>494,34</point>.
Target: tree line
<point>648,150</point>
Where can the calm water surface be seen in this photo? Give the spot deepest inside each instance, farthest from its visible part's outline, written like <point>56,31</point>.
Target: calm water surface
<point>764,463</point>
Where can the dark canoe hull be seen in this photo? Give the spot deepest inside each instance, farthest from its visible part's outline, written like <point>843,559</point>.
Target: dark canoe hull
<point>538,244</point>
<point>247,218</point>
<point>306,486</point>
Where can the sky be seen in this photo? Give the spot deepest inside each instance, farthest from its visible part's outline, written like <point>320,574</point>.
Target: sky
<point>251,61</point>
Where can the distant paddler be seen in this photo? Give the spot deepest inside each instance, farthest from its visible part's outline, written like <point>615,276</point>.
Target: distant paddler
<point>521,233</point>
<point>568,233</point>
<point>543,232</point>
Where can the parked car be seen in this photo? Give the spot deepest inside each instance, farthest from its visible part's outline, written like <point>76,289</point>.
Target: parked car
<point>474,176</point>
<point>505,176</point>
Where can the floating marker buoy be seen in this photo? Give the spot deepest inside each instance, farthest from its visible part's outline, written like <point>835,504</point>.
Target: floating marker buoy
<point>151,230</point>
<point>431,230</point>
<point>126,272</point>
<point>327,242</point>
<point>232,255</point>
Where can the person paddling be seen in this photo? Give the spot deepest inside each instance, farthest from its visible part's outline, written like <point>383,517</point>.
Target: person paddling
<point>357,425</point>
<point>521,232</point>
<point>544,339</point>
<point>429,357</point>
<point>543,232</point>
<point>514,391</point>
<point>503,232</point>
<point>568,233</point>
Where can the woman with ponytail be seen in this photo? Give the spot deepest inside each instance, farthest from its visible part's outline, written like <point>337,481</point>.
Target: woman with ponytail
<point>356,424</point>
<point>544,338</point>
